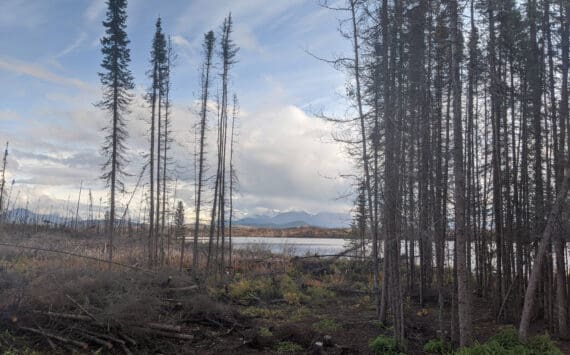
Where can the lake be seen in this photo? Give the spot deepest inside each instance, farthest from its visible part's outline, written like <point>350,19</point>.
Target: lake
<point>292,246</point>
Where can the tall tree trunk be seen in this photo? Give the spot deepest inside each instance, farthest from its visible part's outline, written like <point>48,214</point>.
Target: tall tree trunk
<point>464,296</point>
<point>535,276</point>
<point>365,162</point>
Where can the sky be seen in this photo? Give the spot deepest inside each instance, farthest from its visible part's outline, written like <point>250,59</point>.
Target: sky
<point>286,158</point>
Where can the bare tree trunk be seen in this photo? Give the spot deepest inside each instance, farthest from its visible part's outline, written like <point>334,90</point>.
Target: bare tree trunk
<point>151,228</point>
<point>208,51</point>
<point>463,294</point>
<point>365,162</point>
<point>535,276</point>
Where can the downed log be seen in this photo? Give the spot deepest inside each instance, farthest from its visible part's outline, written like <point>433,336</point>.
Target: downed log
<point>106,336</point>
<point>81,307</point>
<point>182,289</point>
<point>65,315</point>
<point>51,344</point>
<point>126,350</point>
<point>58,337</point>
<point>167,327</point>
<point>128,339</point>
<point>96,340</point>
<point>165,334</point>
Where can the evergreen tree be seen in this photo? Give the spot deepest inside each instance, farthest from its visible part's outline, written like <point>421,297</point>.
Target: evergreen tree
<point>117,81</point>
<point>179,224</point>
<point>3,178</point>
<point>158,58</point>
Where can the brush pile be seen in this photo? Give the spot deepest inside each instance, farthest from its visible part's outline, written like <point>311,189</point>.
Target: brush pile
<point>90,309</point>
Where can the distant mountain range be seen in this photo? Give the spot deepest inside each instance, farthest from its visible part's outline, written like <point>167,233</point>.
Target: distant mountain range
<point>298,219</point>
<point>281,220</point>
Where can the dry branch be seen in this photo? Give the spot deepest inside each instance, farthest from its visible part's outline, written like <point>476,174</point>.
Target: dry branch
<point>65,315</point>
<point>182,289</point>
<point>97,340</point>
<point>166,334</point>
<point>167,327</point>
<point>56,337</point>
<point>81,307</point>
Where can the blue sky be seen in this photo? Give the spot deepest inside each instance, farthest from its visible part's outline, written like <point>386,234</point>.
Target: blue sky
<point>285,157</point>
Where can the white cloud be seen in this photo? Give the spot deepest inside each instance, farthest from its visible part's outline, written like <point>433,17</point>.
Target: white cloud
<point>81,37</point>
<point>180,41</point>
<point>95,10</point>
<point>36,71</point>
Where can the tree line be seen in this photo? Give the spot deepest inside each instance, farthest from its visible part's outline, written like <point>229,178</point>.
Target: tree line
<point>459,125</point>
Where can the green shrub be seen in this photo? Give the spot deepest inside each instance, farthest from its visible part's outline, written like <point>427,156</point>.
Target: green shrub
<point>287,347</point>
<point>385,345</point>
<point>245,288</point>
<point>319,295</point>
<point>327,325</point>
<point>260,312</point>
<point>301,313</point>
<point>542,344</point>
<point>437,346</point>
<point>507,342</point>
<point>264,332</point>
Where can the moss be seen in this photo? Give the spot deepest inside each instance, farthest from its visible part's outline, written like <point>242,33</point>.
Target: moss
<point>288,347</point>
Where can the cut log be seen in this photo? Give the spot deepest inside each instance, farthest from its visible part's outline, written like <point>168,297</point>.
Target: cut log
<point>183,289</point>
<point>96,340</point>
<point>166,334</point>
<point>167,327</point>
<point>58,337</point>
<point>65,315</point>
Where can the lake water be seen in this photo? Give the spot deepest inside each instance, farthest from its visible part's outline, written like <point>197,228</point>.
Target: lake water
<point>333,246</point>
<point>292,246</point>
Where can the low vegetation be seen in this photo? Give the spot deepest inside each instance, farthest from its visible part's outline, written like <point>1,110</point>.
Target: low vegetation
<point>267,304</point>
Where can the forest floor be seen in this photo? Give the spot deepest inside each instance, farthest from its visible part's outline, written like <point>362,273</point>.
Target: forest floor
<point>54,303</point>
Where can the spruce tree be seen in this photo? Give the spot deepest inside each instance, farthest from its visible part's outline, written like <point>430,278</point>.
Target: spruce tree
<point>117,81</point>
<point>157,60</point>
<point>3,178</point>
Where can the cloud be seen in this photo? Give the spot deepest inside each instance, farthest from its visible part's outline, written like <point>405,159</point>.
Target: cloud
<point>180,41</point>
<point>38,72</point>
<point>81,37</point>
<point>283,158</point>
<point>95,10</point>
